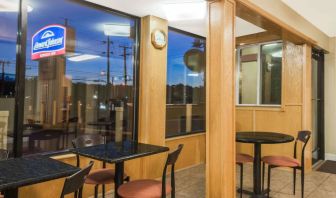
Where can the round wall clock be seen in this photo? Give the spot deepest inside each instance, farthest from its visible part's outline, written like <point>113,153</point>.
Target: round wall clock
<point>159,39</point>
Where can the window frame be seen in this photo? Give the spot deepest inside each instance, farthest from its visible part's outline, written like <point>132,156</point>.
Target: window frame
<point>259,75</point>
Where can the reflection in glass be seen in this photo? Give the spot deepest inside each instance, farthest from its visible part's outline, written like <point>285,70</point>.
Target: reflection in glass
<point>185,111</point>
<point>248,75</point>
<point>8,32</point>
<point>88,88</point>
<point>259,74</point>
<point>271,64</point>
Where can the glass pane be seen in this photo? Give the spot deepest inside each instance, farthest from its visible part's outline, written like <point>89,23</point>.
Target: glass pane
<point>79,74</point>
<point>271,63</point>
<point>185,84</point>
<point>248,75</point>
<point>315,105</point>
<point>8,31</point>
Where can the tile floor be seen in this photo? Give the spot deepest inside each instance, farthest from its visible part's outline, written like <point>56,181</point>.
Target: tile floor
<point>190,183</point>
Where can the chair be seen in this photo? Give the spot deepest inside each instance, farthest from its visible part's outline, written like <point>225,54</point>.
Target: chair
<point>241,159</point>
<point>153,188</point>
<point>74,183</point>
<point>3,156</point>
<point>283,161</point>
<point>97,177</point>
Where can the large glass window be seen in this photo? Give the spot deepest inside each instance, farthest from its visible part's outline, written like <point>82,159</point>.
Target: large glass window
<point>259,74</point>
<point>8,32</point>
<point>185,84</point>
<point>79,74</point>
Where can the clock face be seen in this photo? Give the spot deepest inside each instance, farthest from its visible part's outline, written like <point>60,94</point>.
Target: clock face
<point>159,39</point>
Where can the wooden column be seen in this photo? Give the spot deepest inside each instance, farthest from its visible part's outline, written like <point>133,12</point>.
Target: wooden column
<point>307,117</point>
<point>220,167</point>
<point>152,97</point>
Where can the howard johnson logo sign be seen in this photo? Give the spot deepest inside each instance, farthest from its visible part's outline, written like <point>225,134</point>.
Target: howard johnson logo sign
<point>48,41</point>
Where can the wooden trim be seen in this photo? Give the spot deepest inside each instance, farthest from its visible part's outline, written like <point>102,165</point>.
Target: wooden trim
<point>220,101</point>
<point>266,19</point>
<point>62,157</point>
<point>261,37</point>
<point>185,136</point>
<point>256,108</point>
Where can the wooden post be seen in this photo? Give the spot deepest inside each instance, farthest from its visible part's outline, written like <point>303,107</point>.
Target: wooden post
<point>152,96</point>
<point>188,118</point>
<point>119,123</point>
<point>220,143</point>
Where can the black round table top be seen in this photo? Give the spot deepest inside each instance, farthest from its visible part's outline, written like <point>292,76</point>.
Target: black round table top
<point>263,137</point>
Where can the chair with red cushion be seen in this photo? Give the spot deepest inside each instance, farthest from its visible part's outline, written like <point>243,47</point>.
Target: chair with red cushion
<point>283,161</point>
<point>241,159</point>
<point>153,188</point>
<point>96,177</point>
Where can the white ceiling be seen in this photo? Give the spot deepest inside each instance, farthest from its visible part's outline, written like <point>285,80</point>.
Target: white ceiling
<point>155,7</point>
<point>322,14</point>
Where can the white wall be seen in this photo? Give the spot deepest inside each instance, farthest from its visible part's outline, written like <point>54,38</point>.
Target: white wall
<point>330,101</point>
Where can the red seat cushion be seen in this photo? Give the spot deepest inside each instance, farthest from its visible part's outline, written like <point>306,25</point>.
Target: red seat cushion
<point>282,161</point>
<point>100,176</point>
<point>142,189</point>
<point>243,158</point>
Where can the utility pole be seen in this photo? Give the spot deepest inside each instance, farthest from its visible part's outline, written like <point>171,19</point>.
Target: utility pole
<point>108,80</point>
<point>125,54</point>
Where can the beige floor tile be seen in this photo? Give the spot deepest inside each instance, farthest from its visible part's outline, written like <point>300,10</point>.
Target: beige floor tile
<point>322,194</point>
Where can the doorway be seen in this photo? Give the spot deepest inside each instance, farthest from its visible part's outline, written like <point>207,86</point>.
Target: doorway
<point>318,105</point>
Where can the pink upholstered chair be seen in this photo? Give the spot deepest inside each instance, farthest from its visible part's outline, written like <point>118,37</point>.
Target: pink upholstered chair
<point>284,161</point>
<point>241,159</point>
<point>146,188</point>
<point>96,177</point>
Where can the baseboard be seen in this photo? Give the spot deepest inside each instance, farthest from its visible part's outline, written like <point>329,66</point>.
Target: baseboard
<point>330,156</point>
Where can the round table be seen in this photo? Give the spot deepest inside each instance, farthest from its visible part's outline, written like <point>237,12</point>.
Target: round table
<point>258,138</point>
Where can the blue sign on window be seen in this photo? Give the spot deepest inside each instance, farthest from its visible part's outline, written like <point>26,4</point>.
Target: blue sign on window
<point>49,41</point>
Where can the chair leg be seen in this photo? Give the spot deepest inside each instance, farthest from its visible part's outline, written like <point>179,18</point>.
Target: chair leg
<point>80,193</point>
<point>103,191</point>
<point>241,180</point>
<point>269,181</point>
<point>96,192</point>
<point>127,179</point>
<point>294,180</point>
<point>302,182</point>
<point>263,176</point>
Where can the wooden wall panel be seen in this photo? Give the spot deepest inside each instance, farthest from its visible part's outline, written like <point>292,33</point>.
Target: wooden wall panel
<point>193,152</point>
<point>293,62</point>
<point>220,141</point>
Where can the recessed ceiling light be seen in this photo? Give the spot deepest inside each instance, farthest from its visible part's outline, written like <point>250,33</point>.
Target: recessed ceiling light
<point>114,29</point>
<point>83,57</point>
<point>182,11</point>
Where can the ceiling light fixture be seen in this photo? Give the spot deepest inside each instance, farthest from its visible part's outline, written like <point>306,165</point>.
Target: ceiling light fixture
<point>277,54</point>
<point>83,57</point>
<point>10,6</point>
<point>193,75</point>
<point>114,29</point>
<point>185,10</point>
